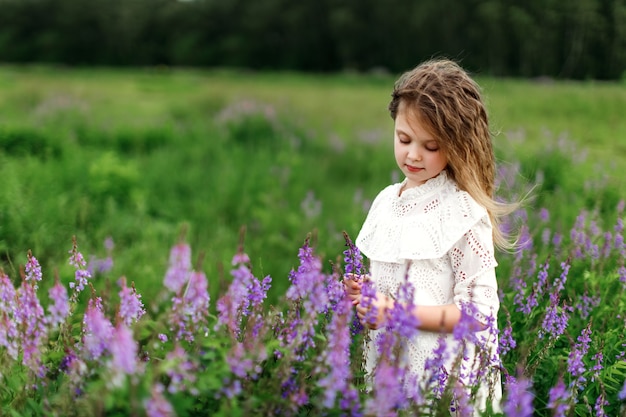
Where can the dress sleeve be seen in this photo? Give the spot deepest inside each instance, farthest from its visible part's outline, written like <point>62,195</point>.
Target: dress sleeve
<point>473,264</point>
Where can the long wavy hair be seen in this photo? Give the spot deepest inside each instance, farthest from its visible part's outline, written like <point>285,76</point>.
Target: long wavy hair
<point>448,102</point>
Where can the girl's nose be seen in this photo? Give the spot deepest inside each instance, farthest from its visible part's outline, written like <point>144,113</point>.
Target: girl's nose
<point>414,154</point>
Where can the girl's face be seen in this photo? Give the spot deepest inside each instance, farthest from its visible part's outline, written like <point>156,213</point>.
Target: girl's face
<point>417,152</point>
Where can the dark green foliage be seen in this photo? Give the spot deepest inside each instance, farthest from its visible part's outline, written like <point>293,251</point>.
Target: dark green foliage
<point>582,39</point>
<point>26,141</point>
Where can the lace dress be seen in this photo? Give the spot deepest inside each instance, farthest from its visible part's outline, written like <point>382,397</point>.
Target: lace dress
<point>439,239</point>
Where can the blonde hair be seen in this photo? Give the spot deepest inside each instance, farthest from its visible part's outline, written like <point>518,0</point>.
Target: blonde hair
<point>448,101</point>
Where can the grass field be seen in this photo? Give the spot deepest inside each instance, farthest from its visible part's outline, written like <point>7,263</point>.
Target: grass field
<point>136,153</point>
<point>145,156</point>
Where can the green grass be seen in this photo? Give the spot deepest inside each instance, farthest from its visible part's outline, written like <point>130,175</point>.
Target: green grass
<point>138,153</point>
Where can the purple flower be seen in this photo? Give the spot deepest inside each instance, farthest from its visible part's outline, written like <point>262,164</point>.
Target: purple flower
<point>131,307</point>
<point>622,274</point>
<point>559,399</point>
<point>76,258</point>
<point>466,328</point>
<point>336,357</point>
<point>622,393</point>
<point>544,214</point>
<point>180,370</point>
<point>575,364</point>
<point>519,401</point>
<point>157,405</point>
<point>81,275</point>
<point>179,267</point>
<point>9,335</point>
<point>59,308</point>
<point>368,296</point>
<point>507,342</point>
<point>308,283</point>
<point>98,331</point>
<point>123,350</point>
<point>461,405</point>
<point>586,304</point>
<point>435,369</point>
<point>556,319</point>
<point>599,406</point>
<point>240,258</point>
<point>191,308</point>
<point>352,257</point>
<point>30,320</point>
<point>33,269</point>
<point>7,293</point>
<point>244,298</point>
<point>389,394</point>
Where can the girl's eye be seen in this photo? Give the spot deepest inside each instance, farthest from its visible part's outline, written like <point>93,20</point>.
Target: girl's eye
<point>432,149</point>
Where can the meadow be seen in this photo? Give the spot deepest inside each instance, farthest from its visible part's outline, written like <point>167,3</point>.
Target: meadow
<point>132,162</point>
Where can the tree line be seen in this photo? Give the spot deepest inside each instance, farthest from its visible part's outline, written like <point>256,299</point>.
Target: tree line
<point>577,39</point>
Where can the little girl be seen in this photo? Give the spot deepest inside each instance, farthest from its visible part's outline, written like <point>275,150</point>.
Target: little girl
<point>437,228</point>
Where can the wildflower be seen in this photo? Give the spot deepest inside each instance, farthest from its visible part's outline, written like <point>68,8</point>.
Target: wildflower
<point>434,368</point>
<point>461,406</point>
<point>59,307</point>
<point>466,328</point>
<point>191,308</point>
<point>81,275</point>
<point>544,214</point>
<point>556,319</point>
<point>162,337</point>
<point>30,321</point>
<point>586,304</point>
<point>622,393</point>
<point>179,267</point>
<point>123,348</point>
<point>597,367</point>
<point>33,269</point>
<point>245,295</point>
<point>337,356</point>
<point>308,282</point>
<point>157,405</point>
<point>388,392</point>
<point>519,401</point>
<point>368,296</point>
<point>353,257</point>
<point>180,370</point>
<point>506,341</point>
<point>9,335</point>
<point>559,399</point>
<point>575,364</point>
<point>97,329</point>
<point>131,307</point>
<point>7,293</point>
<point>599,406</point>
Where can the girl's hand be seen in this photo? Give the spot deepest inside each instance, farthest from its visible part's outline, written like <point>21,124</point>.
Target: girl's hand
<point>381,303</point>
<point>353,284</point>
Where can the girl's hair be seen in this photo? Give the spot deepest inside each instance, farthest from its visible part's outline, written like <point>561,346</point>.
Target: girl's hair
<point>448,102</point>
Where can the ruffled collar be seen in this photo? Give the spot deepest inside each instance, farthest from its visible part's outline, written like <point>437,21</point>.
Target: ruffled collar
<point>429,186</point>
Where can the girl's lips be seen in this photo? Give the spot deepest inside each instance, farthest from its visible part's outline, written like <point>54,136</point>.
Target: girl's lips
<point>413,169</point>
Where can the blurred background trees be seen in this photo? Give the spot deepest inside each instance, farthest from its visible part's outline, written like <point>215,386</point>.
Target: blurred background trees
<point>578,39</point>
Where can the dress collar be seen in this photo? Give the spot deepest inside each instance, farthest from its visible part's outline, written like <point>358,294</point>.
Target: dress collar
<point>430,185</point>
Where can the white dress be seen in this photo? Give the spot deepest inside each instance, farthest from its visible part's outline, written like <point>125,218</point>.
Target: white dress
<point>444,238</point>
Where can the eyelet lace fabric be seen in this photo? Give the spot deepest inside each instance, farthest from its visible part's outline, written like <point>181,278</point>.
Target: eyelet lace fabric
<point>440,239</point>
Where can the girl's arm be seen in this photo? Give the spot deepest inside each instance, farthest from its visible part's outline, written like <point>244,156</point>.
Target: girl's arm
<point>431,318</point>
